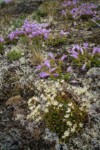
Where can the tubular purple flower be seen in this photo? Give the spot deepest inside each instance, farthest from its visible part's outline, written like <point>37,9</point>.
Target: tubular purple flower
<point>62,33</point>
<point>85,45</point>
<point>52,70</point>
<point>77,47</point>
<point>96,50</point>
<point>39,67</point>
<point>63,12</point>
<point>81,50</point>
<point>69,69</point>
<point>56,74</point>
<point>63,57</point>
<point>73,52</point>
<point>44,75</point>
<point>84,66</point>
<point>74,56</point>
<point>51,55</point>
<point>47,63</point>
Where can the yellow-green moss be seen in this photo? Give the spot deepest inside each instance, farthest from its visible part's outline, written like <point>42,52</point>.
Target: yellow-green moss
<point>59,40</point>
<point>1,49</point>
<point>14,55</point>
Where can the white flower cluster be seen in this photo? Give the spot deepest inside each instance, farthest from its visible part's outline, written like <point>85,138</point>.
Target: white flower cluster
<point>46,97</point>
<point>48,91</point>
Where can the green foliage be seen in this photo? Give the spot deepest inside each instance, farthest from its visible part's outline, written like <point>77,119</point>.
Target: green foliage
<point>96,61</point>
<point>55,41</point>
<point>1,49</point>
<point>14,55</point>
<point>89,59</point>
<point>66,76</point>
<point>66,118</point>
<point>86,17</point>
<point>50,8</point>
<point>41,13</point>
<point>18,22</point>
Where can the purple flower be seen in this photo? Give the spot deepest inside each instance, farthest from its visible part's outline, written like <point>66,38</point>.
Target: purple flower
<point>62,33</point>
<point>74,10</point>
<point>84,66</point>
<point>47,63</point>
<point>73,81</point>
<point>63,12</point>
<point>69,69</point>
<point>53,69</point>
<point>56,74</point>
<point>74,56</point>
<point>63,57</point>
<point>96,50</point>
<point>44,75</point>
<point>85,45</point>
<point>15,34</point>
<point>81,50</point>
<point>73,52</point>
<point>51,55</point>
<point>77,47</point>
<point>39,67</point>
<point>1,40</point>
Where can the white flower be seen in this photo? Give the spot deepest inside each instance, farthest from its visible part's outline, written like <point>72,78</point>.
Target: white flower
<point>46,110</point>
<point>81,125</point>
<point>67,116</point>
<point>72,130</point>
<point>68,110</point>
<point>66,134</point>
<point>69,123</point>
<point>60,105</point>
<point>49,96</point>
<point>62,81</point>
<point>55,103</point>
<point>70,104</point>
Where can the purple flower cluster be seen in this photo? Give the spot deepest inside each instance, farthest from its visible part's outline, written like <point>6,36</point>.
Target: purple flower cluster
<point>84,9</point>
<point>16,34</point>
<point>77,51</point>
<point>31,30</point>
<point>35,29</point>
<point>77,10</point>
<point>74,52</point>
<point>49,67</point>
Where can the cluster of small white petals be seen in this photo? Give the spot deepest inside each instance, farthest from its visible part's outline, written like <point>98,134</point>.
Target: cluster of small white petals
<point>48,91</point>
<point>40,104</point>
